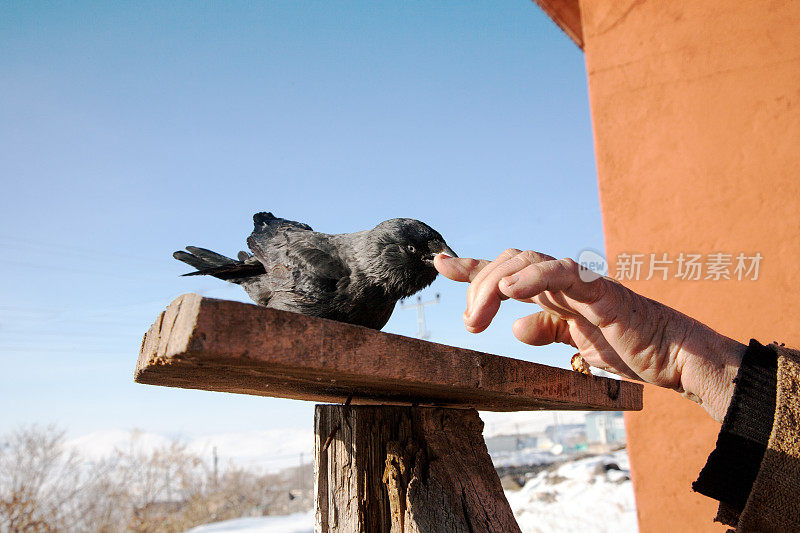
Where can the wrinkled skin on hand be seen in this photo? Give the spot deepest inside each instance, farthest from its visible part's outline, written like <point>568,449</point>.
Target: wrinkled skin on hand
<point>612,327</point>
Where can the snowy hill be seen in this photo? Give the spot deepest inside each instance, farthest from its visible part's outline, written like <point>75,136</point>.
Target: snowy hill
<point>264,450</point>
<point>275,449</point>
<point>592,495</point>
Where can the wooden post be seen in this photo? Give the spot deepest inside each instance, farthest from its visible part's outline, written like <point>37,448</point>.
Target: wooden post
<point>405,470</point>
<point>419,465</point>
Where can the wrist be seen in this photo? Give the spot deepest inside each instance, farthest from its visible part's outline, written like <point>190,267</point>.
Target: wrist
<point>709,369</point>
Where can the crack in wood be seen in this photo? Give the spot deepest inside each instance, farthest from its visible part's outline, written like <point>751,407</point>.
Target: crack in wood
<point>411,470</point>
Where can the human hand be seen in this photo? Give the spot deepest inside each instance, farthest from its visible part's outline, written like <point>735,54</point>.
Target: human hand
<point>612,327</point>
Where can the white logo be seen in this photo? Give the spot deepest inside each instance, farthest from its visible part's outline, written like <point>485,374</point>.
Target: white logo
<point>592,265</point>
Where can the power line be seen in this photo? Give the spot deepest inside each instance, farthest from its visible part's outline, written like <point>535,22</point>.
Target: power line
<point>60,248</point>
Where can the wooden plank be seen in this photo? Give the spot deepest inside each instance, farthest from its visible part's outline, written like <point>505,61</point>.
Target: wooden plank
<point>220,345</point>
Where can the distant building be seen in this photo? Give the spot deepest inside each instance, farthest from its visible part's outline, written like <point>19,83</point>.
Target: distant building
<point>605,427</point>
<point>566,434</point>
<point>510,443</point>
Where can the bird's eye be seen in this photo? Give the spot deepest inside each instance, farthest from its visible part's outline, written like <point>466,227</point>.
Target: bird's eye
<point>411,248</point>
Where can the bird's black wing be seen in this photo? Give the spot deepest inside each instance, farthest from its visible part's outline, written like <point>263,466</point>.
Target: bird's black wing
<point>267,224</point>
<point>304,270</point>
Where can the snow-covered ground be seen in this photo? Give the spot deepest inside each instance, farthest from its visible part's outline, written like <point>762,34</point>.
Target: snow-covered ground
<point>580,496</point>
<point>293,523</point>
<point>586,495</point>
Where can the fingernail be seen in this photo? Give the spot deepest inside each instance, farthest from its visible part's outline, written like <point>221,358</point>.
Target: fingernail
<point>510,280</point>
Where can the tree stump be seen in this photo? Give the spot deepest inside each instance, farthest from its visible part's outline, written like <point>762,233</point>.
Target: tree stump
<point>405,470</point>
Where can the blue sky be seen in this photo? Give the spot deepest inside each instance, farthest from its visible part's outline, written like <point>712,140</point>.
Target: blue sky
<point>129,130</point>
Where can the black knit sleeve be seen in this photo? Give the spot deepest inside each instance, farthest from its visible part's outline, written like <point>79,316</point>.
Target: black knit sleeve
<point>732,467</point>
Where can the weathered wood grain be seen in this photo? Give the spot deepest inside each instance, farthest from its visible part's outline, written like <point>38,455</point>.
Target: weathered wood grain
<point>405,470</point>
<point>220,345</point>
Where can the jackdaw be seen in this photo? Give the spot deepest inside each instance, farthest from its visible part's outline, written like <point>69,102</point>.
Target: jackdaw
<point>351,277</point>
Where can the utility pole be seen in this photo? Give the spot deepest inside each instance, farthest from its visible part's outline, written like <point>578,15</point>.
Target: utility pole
<point>300,473</point>
<point>556,429</point>
<point>422,331</point>
<point>216,462</point>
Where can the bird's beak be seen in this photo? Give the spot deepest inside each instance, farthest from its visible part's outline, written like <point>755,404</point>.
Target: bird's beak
<point>428,259</point>
<point>448,251</point>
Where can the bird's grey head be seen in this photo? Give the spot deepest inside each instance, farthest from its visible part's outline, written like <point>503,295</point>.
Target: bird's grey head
<point>402,254</point>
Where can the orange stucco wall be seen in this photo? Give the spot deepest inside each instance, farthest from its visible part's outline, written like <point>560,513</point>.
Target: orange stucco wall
<point>696,115</point>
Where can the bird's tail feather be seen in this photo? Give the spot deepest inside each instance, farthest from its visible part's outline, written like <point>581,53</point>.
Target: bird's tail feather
<point>211,258</point>
<point>213,264</point>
